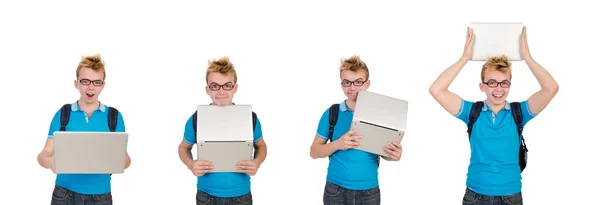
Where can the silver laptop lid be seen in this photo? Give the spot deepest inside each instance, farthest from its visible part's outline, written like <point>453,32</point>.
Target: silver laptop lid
<point>381,110</point>
<point>496,38</point>
<point>224,123</point>
<point>90,152</point>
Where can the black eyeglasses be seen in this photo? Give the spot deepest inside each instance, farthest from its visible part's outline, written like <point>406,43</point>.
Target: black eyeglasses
<point>96,83</point>
<point>494,83</point>
<point>215,87</point>
<point>347,83</point>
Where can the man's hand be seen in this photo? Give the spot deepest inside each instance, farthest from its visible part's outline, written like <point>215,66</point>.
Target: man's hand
<point>52,165</point>
<point>468,49</point>
<point>348,140</point>
<point>393,150</point>
<point>200,167</point>
<point>50,162</point>
<point>525,55</point>
<point>248,167</point>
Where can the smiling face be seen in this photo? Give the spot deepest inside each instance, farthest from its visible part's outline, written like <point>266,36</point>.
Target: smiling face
<point>496,80</point>
<point>354,75</point>
<point>352,82</point>
<point>221,81</point>
<point>221,88</point>
<point>496,86</point>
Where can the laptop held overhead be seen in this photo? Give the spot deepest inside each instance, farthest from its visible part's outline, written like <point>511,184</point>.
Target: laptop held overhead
<point>90,152</point>
<point>492,39</point>
<point>379,119</point>
<point>224,135</point>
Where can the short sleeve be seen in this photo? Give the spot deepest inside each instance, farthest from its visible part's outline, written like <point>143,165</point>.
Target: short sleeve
<point>189,135</point>
<point>465,111</point>
<point>54,124</point>
<point>323,127</point>
<point>120,123</point>
<point>258,131</point>
<point>526,112</point>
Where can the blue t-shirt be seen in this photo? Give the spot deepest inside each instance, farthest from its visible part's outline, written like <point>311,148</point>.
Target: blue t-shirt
<point>79,121</point>
<point>352,169</point>
<point>222,184</point>
<point>494,166</point>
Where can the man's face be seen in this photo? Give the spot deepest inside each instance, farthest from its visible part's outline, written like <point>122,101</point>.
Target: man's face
<point>221,88</point>
<point>90,84</point>
<point>352,82</point>
<point>496,86</point>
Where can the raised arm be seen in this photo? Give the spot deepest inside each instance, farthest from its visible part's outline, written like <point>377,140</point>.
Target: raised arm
<point>439,89</point>
<point>540,99</point>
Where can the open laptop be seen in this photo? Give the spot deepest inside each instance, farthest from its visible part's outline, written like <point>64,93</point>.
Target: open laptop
<point>90,152</point>
<point>492,39</point>
<point>379,119</point>
<point>224,135</point>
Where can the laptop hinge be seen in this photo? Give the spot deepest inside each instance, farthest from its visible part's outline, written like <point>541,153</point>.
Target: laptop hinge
<point>396,130</point>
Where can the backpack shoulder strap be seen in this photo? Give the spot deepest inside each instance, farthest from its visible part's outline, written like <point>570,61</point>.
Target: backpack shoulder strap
<point>195,122</point>
<point>473,115</point>
<point>113,118</point>
<point>253,121</point>
<point>333,116</point>
<point>515,107</point>
<point>65,114</point>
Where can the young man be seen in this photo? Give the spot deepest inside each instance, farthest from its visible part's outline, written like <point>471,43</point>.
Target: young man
<point>352,174</point>
<point>86,114</point>
<point>222,188</point>
<point>494,173</point>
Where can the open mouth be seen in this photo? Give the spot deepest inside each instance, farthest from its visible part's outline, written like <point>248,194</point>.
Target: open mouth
<point>90,95</point>
<point>498,96</point>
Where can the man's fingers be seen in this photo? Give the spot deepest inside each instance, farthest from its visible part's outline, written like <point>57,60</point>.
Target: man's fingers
<point>352,132</point>
<point>356,137</point>
<point>388,148</point>
<point>246,167</point>
<point>391,154</point>
<point>352,144</point>
<point>203,163</point>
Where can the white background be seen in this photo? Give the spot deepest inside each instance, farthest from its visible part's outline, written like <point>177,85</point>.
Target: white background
<point>287,57</point>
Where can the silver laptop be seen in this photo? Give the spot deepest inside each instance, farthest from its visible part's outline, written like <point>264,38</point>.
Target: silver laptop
<point>492,39</point>
<point>90,152</point>
<point>224,135</point>
<point>379,119</point>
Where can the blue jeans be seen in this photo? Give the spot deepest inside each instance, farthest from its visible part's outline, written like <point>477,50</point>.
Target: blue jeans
<point>62,196</point>
<point>337,195</point>
<point>207,199</point>
<point>472,198</point>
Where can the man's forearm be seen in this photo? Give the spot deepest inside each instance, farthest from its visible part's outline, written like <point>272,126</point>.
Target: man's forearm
<point>260,155</point>
<point>545,80</point>
<point>185,155</point>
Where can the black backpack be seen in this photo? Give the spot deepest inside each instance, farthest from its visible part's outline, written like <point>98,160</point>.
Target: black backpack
<point>333,116</point>
<point>65,114</point>
<point>517,118</point>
